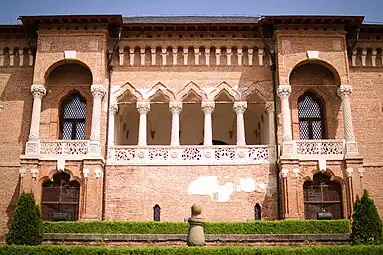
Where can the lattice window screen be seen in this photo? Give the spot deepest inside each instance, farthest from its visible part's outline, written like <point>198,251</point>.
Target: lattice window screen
<point>310,118</point>
<point>73,118</point>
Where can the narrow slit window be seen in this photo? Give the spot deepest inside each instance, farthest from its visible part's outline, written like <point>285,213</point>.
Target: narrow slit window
<point>157,213</point>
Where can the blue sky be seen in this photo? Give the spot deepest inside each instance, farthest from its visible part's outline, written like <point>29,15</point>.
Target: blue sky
<point>11,9</point>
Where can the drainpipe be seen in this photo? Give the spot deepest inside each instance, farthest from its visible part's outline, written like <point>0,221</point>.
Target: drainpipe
<point>109,70</point>
<point>273,68</point>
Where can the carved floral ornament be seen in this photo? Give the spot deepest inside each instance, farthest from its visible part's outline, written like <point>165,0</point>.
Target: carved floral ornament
<point>143,107</point>
<point>240,107</point>
<point>38,90</point>
<point>97,90</point>
<point>269,107</point>
<point>284,91</point>
<point>208,107</point>
<point>113,108</point>
<point>175,107</point>
<point>344,90</point>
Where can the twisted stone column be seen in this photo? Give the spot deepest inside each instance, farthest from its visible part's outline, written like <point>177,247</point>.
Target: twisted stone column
<point>143,108</point>
<point>208,108</point>
<point>175,109</point>
<point>284,92</point>
<point>112,113</point>
<point>270,115</point>
<point>38,91</point>
<point>240,108</point>
<point>344,91</point>
<point>98,93</point>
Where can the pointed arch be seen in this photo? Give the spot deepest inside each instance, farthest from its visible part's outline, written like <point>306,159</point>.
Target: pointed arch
<point>191,86</point>
<point>127,87</point>
<point>160,87</point>
<point>260,88</point>
<point>224,86</point>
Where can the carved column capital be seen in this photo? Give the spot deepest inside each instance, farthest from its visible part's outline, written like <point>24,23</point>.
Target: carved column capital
<point>143,107</point>
<point>284,91</point>
<point>175,107</point>
<point>97,90</point>
<point>38,90</point>
<point>344,90</point>
<point>207,106</point>
<point>240,107</point>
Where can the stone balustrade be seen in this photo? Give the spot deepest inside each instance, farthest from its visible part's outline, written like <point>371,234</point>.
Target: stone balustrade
<point>189,56</point>
<point>191,155</point>
<point>315,149</point>
<point>16,57</point>
<point>367,57</point>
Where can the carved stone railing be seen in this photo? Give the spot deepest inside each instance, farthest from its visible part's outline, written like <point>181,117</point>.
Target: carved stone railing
<point>62,149</point>
<point>191,155</point>
<point>315,149</point>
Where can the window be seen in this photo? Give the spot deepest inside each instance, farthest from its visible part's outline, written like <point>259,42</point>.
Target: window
<point>310,113</point>
<point>157,213</point>
<point>60,198</point>
<point>322,196</point>
<point>257,212</point>
<point>73,113</point>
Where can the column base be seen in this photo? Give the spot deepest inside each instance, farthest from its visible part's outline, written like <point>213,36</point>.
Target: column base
<point>351,150</point>
<point>94,148</point>
<point>289,150</point>
<point>32,148</point>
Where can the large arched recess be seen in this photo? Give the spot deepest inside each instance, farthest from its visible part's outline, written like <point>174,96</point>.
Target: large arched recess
<point>60,66</point>
<point>321,79</point>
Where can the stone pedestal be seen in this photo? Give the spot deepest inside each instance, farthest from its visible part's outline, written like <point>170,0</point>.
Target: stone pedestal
<point>196,236</point>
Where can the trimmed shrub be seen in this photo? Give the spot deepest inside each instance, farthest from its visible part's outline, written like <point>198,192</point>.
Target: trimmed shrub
<point>26,228</point>
<point>89,250</point>
<point>254,227</point>
<point>366,225</point>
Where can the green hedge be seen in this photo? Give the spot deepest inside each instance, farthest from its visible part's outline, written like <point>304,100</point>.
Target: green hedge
<point>255,227</point>
<point>90,250</point>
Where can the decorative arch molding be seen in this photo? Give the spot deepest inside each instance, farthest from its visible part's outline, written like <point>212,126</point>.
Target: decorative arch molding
<point>163,89</point>
<point>127,87</point>
<point>52,66</point>
<point>324,94</point>
<point>50,175</point>
<point>67,91</point>
<point>327,172</point>
<point>259,88</point>
<point>228,88</point>
<point>191,86</point>
<point>323,63</point>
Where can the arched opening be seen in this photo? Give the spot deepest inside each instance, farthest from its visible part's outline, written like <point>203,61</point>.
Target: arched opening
<point>68,73</point>
<point>257,212</point>
<point>191,119</point>
<point>322,196</point>
<point>256,128</point>
<point>72,117</point>
<point>224,119</point>
<point>159,120</point>
<point>157,213</point>
<point>311,117</point>
<point>127,120</point>
<point>60,198</point>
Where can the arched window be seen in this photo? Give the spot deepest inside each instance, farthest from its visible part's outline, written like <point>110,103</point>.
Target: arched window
<point>157,213</point>
<point>72,121</point>
<point>322,196</point>
<point>60,198</point>
<point>310,113</point>
<point>257,212</point>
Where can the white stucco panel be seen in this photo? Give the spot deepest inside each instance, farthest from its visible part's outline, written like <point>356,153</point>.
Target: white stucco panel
<point>209,185</point>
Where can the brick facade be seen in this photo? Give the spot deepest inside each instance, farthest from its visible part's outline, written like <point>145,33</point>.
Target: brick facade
<point>167,66</point>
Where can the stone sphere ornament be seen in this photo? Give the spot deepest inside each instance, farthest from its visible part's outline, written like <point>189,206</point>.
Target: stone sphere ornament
<point>196,235</point>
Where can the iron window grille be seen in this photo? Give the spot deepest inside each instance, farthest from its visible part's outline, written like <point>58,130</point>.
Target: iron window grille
<point>60,198</point>
<point>322,196</point>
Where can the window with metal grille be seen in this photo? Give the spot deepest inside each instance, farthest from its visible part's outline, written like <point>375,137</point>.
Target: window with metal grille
<point>157,213</point>
<point>257,212</point>
<point>322,196</point>
<point>73,114</point>
<point>60,198</point>
<point>310,113</point>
